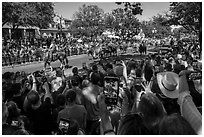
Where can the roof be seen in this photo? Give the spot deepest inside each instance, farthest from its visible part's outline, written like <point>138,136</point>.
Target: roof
<point>8,26</point>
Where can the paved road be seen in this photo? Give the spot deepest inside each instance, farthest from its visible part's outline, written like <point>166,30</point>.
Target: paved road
<point>73,61</point>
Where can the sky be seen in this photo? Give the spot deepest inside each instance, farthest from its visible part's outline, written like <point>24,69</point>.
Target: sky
<point>150,9</point>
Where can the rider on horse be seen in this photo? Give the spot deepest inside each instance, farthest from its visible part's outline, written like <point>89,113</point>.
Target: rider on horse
<point>47,59</point>
<point>62,56</point>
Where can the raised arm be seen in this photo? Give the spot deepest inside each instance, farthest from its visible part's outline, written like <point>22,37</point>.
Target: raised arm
<point>106,126</point>
<point>187,106</point>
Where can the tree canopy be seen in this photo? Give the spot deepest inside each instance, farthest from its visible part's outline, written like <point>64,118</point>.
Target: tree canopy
<point>186,14</point>
<point>134,7</point>
<point>38,14</point>
<point>88,18</point>
<point>156,24</point>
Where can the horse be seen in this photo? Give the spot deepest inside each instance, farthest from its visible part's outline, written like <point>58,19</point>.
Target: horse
<point>95,52</point>
<point>47,59</point>
<point>59,55</point>
<point>62,57</point>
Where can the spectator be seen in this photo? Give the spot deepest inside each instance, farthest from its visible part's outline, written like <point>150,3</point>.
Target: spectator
<point>39,112</point>
<point>148,72</point>
<point>152,111</point>
<point>175,124</point>
<point>73,129</point>
<point>166,87</point>
<point>73,111</point>
<point>132,124</point>
<point>42,98</point>
<point>90,102</point>
<point>60,104</point>
<point>75,72</point>
<point>186,103</point>
<point>13,110</point>
<point>14,127</point>
<point>17,96</point>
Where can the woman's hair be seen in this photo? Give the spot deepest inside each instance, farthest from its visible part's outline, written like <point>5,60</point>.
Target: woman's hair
<point>14,111</point>
<point>132,124</point>
<point>32,98</point>
<point>152,110</point>
<point>175,124</point>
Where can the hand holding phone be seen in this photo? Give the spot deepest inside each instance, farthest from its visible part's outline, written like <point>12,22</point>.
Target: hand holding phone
<point>111,90</point>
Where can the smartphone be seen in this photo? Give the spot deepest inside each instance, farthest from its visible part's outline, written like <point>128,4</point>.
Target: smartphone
<point>64,125</point>
<point>111,90</point>
<point>15,123</point>
<point>195,76</point>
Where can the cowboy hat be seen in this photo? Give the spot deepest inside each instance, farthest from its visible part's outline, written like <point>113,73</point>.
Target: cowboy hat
<point>168,83</point>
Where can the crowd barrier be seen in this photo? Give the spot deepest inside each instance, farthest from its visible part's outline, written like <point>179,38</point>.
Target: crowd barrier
<point>16,60</point>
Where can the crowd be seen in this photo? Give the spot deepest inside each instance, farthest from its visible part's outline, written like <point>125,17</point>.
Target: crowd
<point>160,94</point>
<point>20,52</point>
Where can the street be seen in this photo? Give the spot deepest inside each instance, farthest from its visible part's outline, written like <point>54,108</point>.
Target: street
<point>73,61</point>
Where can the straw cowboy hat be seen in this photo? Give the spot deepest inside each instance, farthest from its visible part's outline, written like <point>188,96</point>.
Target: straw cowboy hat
<point>169,84</point>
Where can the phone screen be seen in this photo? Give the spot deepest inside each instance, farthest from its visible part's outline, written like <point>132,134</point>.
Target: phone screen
<point>64,125</point>
<point>15,123</point>
<point>111,90</point>
<point>195,76</point>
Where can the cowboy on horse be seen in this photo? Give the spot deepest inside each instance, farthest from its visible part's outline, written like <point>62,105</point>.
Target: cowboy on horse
<point>60,55</point>
<point>47,59</point>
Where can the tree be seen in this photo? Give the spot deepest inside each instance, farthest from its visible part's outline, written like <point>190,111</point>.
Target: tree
<point>127,17</point>
<point>38,14</point>
<point>156,23</point>
<point>177,32</point>
<point>188,15</point>
<point>109,20</point>
<point>162,30</point>
<point>44,14</point>
<point>89,18</point>
<point>134,7</point>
